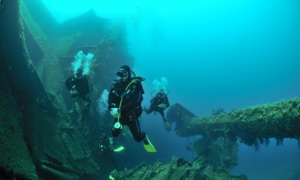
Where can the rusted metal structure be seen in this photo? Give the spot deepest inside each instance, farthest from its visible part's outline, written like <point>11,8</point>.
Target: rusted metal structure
<point>39,138</point>
<point>278,120</point>
<point>219,133</point>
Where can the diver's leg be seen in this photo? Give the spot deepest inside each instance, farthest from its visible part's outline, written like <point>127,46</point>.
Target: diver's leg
<point>161,112</point>
<point>135,129</point>
<point>150,110</point>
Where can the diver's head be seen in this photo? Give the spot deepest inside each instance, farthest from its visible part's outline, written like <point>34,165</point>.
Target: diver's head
<point>79,72</point>
<point>124,72</point>
<point>161,93</point>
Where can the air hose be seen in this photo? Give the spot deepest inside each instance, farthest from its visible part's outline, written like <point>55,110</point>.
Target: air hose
<point>118,125</point>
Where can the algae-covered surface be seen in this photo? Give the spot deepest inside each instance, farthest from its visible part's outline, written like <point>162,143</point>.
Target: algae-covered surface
<point>176,169</point>
<point>277,120</point>
<point>15,156</point>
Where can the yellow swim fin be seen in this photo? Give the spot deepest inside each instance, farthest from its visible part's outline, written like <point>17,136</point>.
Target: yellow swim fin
<point>148,146</point>
<point>121,148</point>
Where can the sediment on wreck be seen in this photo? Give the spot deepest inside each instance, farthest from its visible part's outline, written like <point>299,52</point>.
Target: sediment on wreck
<point>176,169</point>
<point>15,157</point>
<point>39,137</point>
<point>16,160</point>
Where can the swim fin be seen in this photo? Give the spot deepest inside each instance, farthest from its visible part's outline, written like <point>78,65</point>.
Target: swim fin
<point>148,146</point>
<point>168,126</point>
<point>121,148</point>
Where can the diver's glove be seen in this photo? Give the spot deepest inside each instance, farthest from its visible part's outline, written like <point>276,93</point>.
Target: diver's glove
<point>115,112</point>
<point>162,106</point>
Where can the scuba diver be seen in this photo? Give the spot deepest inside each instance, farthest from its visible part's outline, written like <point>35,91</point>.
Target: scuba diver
<point>78,85</point>
<point>158,104</point>
<point>124,102</point>
<point>106,144</point>
<point>106,147</point>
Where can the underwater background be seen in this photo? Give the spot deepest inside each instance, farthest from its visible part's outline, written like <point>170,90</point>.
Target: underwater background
<point>215,54</point>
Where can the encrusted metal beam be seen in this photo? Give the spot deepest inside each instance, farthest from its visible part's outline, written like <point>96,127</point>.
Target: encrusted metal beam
<point>258,123</point>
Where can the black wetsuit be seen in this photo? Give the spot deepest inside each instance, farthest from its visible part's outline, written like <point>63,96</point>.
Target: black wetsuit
<point>131,106</point>
<point>155,102</point>
<point>81,85</point>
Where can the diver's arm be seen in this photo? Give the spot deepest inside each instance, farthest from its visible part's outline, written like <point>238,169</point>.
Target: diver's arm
<point>112,99</point>
<point>69,83</point>
<point>85,85</point>
<point>167,102</point>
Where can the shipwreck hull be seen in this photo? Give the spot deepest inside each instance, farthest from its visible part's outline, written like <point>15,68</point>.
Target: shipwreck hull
<point>40,140</point>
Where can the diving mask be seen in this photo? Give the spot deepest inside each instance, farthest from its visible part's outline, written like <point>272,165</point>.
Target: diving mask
<point>122,73</point>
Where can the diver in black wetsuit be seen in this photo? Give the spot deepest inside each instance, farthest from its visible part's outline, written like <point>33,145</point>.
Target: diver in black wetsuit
<point>78,85</point>
<point>158,104</point>
<point>124,101</point>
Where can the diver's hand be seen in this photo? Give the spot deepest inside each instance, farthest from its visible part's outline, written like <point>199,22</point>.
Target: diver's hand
<point>73,92</point>
<point>115,112</point>
<point>162,106</point>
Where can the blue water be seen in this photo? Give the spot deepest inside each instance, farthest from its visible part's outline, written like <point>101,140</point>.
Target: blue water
<point>215,54</point>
